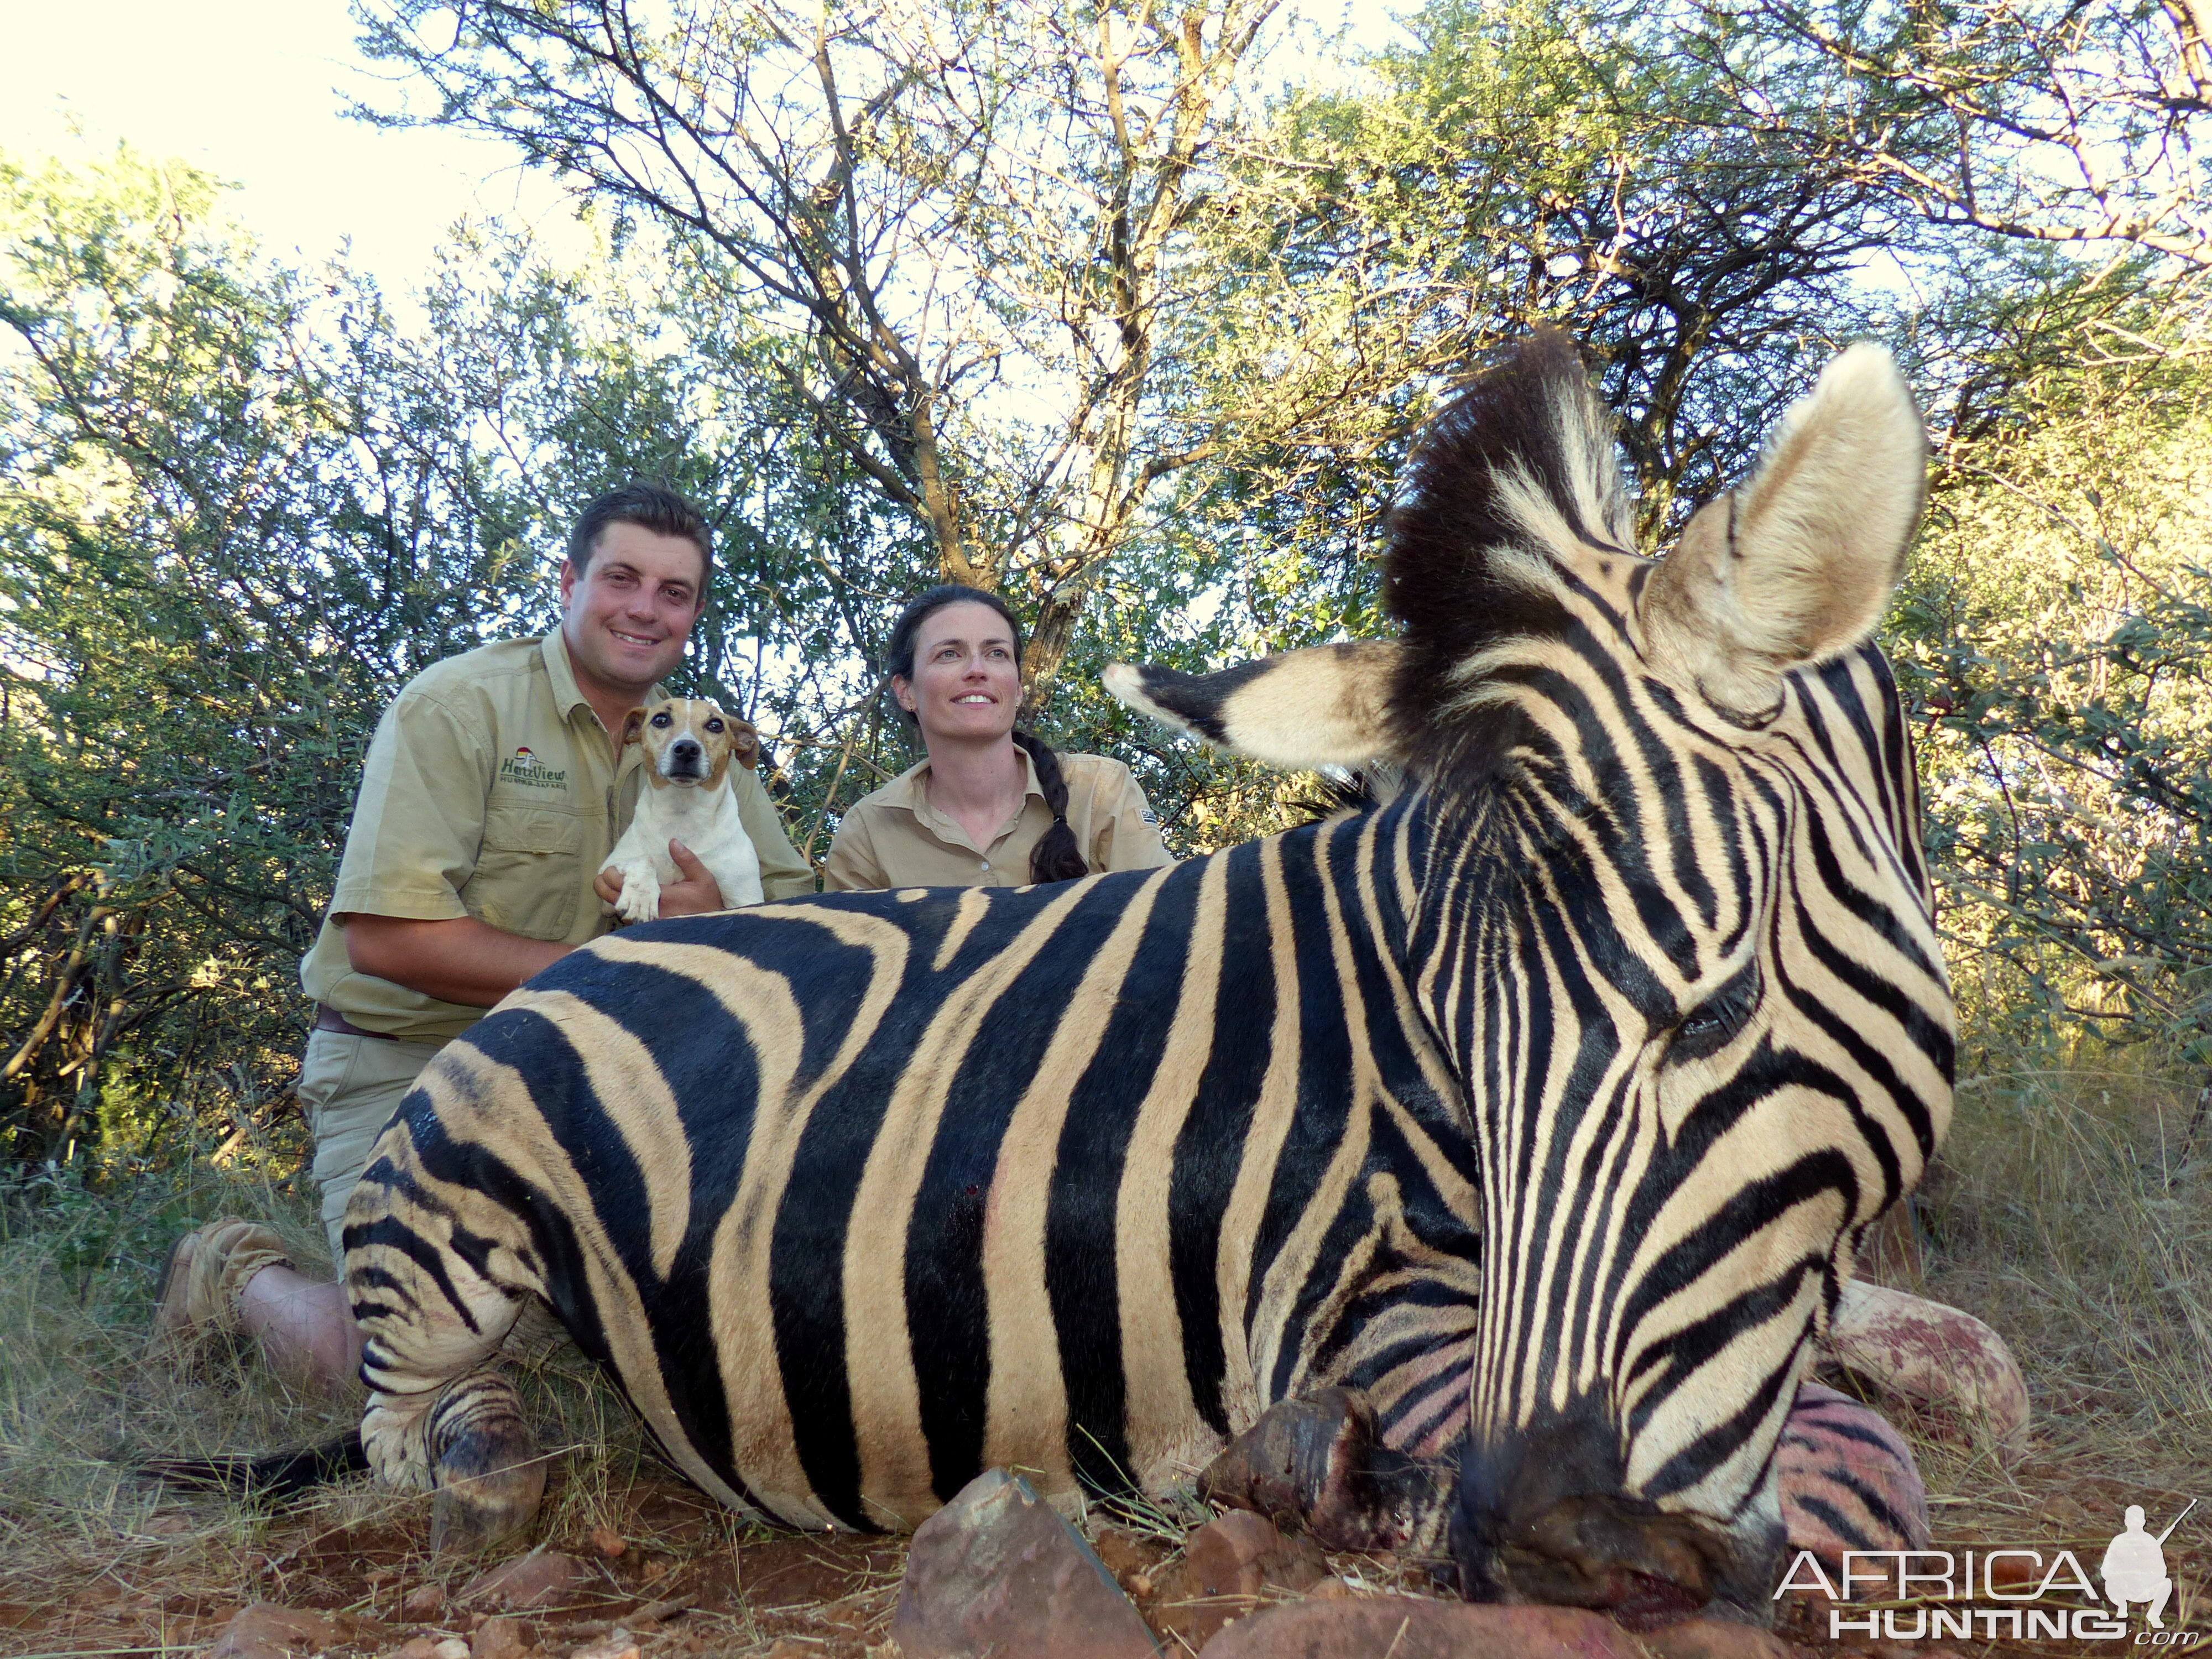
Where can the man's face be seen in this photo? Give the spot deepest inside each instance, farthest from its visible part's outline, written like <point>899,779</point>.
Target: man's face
<point>626,616</point>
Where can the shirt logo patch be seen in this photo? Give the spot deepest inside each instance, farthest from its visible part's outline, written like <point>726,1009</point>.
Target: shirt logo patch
<point>525,769</point>
<point>1149,816</point>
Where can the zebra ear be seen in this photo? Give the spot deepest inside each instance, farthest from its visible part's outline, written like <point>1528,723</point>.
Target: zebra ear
<point>1326,706</point>
<point>1795,566</point>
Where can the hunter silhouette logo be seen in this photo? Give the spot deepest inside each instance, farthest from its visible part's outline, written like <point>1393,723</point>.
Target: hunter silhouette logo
<point>2004,1594</point>
<point>2134,1567</point>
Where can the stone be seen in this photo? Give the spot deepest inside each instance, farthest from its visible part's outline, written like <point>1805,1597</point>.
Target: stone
<point>1403,1627</point>
<point>998,1571</point>
<point>1714,1638</point>
<point>423,1601</point>
<point>416,1647</point>
<point>616,1643</point>
<point>265,1630</point>
<point>1936,1356</point>
<point>451,1648</point>
<point>498,1639</point>
<point>1228,1565</point>
<point>606,1541</point>
<point>1313,1465</point>
<point>541,1579</point>
<point>1846,1481</point>
<point>1240,1554</point>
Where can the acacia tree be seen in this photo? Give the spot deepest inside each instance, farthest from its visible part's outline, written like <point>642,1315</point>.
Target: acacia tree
<point>978,217</point>
<point>2063,121</point>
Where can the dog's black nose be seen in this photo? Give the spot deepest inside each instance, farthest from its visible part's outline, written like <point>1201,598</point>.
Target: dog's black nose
<point>685,750</point>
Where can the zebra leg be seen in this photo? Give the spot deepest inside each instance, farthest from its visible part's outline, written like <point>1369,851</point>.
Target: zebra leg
<point>1314,1464</point>
<point>469,1443</point>
<point>439,1419</point>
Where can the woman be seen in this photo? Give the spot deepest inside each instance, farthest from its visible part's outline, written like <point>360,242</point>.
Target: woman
<point>990,806</point>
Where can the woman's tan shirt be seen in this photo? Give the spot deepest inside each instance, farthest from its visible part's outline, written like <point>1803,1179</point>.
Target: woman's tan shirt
<point>896,838</point>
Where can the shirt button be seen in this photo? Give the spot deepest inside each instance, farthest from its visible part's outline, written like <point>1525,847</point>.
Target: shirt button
<point>987,864</point>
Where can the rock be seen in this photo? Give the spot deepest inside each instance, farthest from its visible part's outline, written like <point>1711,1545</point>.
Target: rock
<point>423,1601</point>
<point>1227,1565</point>
<point>451,1648</point>
<point>1714,1638</point>
<point>1405,1628</point>
<point>1847,1481</point>
<point>498,1639</point>
<point>1313,1465</point>
<point>1240,1553</point>
<point>998,1571</point>
<point>1935,1356</point>
<point>1332,1590</point>
<point>265,1630</point>
<point>616,1643</point>
<point>606,1541</point>
<point>541,1579</point>
<point>417,1647</point>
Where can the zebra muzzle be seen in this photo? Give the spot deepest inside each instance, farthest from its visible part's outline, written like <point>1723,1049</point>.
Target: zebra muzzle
<point>1612,1555</point>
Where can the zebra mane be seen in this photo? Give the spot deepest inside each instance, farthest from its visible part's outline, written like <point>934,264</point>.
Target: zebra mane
<point>1516,476</point>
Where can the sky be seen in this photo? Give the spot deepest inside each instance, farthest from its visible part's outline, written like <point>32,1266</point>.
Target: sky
<point>252,91</point>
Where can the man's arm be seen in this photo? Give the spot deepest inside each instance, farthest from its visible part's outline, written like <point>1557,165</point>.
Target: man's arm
<point>783,873</point>
<point>464,960</point>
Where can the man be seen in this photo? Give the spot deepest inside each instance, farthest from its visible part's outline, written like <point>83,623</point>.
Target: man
<point>2134,1568</point>
<point>494,789</point>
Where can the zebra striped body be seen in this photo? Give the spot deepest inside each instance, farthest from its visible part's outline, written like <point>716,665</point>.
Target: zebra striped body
<point>1544,1105</point>
<point>946,1231</point>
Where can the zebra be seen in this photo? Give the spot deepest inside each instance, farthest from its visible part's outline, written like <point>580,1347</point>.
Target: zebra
<point>1540,1107</point>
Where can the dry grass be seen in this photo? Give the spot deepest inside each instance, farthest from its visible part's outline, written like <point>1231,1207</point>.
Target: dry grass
<point>2067,1219</point>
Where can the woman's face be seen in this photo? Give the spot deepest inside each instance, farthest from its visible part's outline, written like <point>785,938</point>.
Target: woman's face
<point>966,684</point>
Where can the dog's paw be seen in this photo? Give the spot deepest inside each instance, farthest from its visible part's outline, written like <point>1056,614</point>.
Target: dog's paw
<point>641,896</point>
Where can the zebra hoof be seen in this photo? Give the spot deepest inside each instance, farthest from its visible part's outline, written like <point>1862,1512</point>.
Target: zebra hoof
<point>489,1476</point>
<point>1313,1465</point>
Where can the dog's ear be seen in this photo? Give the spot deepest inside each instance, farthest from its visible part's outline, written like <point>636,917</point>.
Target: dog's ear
<point>633,726</point>
<point>745,742</point>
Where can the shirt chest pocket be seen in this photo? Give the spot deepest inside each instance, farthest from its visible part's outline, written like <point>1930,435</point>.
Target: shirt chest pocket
<point>529,877</point>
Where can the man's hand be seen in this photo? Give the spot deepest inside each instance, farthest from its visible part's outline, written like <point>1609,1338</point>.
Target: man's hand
<point>693,893</point>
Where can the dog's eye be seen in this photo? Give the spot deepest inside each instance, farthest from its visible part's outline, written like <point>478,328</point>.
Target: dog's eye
<point>660,720</point>
<point>713,725</point>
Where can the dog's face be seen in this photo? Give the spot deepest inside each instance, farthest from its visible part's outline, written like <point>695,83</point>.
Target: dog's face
<point>690,743</point>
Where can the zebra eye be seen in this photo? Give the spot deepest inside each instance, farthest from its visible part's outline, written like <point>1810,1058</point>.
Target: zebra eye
<point>1712,1024</point>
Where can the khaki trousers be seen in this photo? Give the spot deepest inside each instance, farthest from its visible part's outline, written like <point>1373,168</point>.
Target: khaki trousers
<point>350,1086</point>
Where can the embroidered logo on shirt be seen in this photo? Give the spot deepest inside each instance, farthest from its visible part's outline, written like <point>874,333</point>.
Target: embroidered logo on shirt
<point>525,769</point>
<point>1149,816</point>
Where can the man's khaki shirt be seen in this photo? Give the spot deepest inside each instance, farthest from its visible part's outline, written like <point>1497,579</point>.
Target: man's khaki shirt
<point>896,838</point>
<point>491,790</point>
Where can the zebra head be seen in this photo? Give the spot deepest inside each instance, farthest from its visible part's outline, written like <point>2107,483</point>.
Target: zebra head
<point>1671,926</point>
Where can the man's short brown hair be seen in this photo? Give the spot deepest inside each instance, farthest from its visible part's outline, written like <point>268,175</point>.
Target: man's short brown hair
<point>650,506</point>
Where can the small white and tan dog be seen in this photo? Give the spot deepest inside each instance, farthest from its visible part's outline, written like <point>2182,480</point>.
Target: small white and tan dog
<point>689,745</point>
